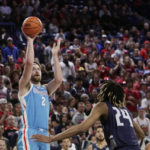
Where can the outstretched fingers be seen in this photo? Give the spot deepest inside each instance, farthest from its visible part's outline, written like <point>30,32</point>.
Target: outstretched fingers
<point>40,138</point>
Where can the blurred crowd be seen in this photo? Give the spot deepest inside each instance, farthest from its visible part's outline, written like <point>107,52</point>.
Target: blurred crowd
<point>101,40</point>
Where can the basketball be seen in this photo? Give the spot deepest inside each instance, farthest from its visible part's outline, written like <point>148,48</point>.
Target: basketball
<point>32,26</point>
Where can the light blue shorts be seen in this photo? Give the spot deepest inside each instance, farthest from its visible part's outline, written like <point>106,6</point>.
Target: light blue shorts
<point>25,143</point>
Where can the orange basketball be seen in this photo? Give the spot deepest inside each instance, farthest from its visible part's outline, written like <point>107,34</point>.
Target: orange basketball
<point>32,26</point>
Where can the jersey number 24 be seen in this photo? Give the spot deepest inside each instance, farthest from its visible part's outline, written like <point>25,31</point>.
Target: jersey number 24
<point>122,113</point>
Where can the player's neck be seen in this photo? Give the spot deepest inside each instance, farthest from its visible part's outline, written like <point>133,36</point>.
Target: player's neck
<point>37,84</point>
<point>101,144</point>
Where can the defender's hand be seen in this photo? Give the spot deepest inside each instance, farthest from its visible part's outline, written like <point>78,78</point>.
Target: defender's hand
<point>41,138</point>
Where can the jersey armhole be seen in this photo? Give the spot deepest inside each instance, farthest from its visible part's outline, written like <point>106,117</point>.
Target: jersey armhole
<point>45,85</point>
<point>27,92</point>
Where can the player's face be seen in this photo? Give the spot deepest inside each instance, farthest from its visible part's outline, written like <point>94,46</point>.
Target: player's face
<point>36,73</point>
<point>100,134</point>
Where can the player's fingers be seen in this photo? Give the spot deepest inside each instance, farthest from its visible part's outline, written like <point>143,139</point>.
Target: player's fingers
<point>37,140</point>
<point>54,45</point>
<point>35,136</point>
<point>58,42</point>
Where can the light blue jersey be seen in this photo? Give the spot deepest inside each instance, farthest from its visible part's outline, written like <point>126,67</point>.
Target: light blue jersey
<point>35,115</point>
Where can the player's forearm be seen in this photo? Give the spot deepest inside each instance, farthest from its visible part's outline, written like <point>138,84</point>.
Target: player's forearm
<point>57,69</point>
<point>30,52</point>
<point>74,130</point>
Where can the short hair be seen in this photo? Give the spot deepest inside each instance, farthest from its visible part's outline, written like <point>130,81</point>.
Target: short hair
<point>37,63</point>
<point>111,92</point>
<point>99,126</point>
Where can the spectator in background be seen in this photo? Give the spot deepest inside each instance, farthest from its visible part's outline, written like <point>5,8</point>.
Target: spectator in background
<point>10,50</point>
<point>3,37</point>
<point>100,140</point>
<point>136,56</point>
<point>144,50</point>
<point>17,114</point>
<point>3,89</point>
<point>3,145</point>
<point>83,75</point>
<point>95,82</point>
<point>142,121</point>
<point>4,112</point>
<point>48,52</point>
<point>39,49</point>
<point>3,138</point>
<point>5,10</point>
<point>14,97</point>
<point>66,144</point>
<point>107,48</point>
<point>67,67</point>
<point>78,89</point>
<point>145,103</point>
<point>10,131</point>
<point>75,45</point>
<point>147,67</point>
<point>132,99</point>
<point>88,107</point>
<point>80,115</point>
<point>128,64</point>
<point>90,65</point>
<point>60,34</point>
<point>77,64</point>
<point>145,29</point>
<point>21,59</point>
<point>7,71</point>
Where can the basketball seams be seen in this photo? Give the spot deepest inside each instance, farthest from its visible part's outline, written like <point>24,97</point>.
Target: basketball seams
<point>32,26</point>
<point>34,23</point>
<point>32,34</point>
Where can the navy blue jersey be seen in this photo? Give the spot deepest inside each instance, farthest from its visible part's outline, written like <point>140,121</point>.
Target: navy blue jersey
<point>119,126</point>
<point>94,147</point>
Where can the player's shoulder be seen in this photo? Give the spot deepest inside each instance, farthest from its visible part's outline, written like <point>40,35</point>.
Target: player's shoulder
<point>102,108</point>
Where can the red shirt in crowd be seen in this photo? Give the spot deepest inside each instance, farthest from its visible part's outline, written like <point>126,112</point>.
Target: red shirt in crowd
<point>1,114</point>
<point>131,104</point>
<point>128,68</point>
<point>143,53</point>
<point>104,71</point>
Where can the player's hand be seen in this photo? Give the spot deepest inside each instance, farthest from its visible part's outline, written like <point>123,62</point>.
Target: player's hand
<point>41,138</point>
<point>56,47</point>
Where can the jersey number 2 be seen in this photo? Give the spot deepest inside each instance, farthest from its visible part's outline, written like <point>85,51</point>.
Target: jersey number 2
<point>124,114</point>
<point>43,101</point>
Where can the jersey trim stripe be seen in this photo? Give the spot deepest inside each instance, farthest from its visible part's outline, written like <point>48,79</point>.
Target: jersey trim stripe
<point>24,137</point>
<point>25,128</point>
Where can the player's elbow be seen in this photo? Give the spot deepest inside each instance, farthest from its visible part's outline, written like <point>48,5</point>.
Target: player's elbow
<point>58,81</point>
<point>29,62</point>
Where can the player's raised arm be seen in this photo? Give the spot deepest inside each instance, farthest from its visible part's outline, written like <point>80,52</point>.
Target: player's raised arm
<point>99,110</point>
<point>55,83</point>
<point>24,81</point>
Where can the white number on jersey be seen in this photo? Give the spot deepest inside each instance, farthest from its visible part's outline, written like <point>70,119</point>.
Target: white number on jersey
<point>43,101</point>
<point>124,114</point>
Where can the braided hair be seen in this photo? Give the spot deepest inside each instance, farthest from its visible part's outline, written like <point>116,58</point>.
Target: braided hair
<point>113,93</point>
